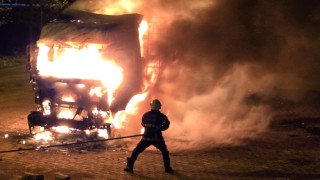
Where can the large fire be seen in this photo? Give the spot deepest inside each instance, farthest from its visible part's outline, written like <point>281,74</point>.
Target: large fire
<point>87,62</point>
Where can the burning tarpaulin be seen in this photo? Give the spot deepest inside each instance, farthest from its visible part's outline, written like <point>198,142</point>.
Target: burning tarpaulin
<point>84,27</point>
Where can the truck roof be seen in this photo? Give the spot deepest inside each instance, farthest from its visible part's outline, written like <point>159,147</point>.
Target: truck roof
<point>85,27</point>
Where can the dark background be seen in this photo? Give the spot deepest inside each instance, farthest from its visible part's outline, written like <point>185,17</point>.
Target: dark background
<point>22,20</point>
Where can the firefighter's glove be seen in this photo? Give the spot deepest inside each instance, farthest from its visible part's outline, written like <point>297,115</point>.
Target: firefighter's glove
<point>165,125</point>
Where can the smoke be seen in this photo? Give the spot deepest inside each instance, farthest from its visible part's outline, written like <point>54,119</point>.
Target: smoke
<point>224,60</point>
<point>224,66</point>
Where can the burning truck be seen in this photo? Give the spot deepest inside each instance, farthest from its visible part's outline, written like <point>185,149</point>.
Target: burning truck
<point>84,68</point>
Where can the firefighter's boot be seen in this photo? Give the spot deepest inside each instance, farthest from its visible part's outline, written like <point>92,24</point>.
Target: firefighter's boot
<point>167,167</point>
<point>129,167</point>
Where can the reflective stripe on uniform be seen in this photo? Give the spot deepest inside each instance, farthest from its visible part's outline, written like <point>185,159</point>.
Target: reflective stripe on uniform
<point>151,125</point>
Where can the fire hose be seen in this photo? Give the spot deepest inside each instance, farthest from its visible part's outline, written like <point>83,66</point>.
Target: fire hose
<point>68,144</point>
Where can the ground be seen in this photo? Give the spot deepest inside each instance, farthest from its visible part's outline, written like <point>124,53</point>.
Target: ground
<point>289,149</point>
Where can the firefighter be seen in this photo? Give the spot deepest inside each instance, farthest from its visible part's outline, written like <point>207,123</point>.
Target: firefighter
<point>153,122</point>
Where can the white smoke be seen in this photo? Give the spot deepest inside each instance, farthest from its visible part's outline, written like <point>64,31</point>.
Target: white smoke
<point>220,116</point>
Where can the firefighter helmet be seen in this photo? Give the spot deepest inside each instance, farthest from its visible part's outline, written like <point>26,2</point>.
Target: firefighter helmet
<point>155,104</point>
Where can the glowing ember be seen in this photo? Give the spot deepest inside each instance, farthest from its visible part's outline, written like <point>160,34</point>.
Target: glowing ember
<point>46,107</point>
<point>65,114</point>
<point>88,132</point>
<point>61,129</point>
<point>68,99</point>
<point>81,85</point>
<point>103,133</point>
<point>6,136</point>
<point>46,136</point>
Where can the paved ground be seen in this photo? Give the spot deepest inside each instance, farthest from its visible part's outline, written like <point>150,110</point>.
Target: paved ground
<point>287,151</point>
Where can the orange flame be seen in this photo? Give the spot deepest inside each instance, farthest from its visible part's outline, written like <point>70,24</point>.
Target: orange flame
<point>143,28</point>
<point>131,109</point>
<point>65,114</point>
<point>85,63</point>
<point>132,106</point>
<point>88,63</point>
<point>151,73</point>
<point>61,129</point>
<point>68,98</point>
<point>124,7</point>
<point>121,7</point>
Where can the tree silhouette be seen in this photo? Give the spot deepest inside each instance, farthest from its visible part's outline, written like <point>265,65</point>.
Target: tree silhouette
<point>21,22</point>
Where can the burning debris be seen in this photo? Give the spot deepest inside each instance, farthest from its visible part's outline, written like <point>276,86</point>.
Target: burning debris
<point>67,143</point>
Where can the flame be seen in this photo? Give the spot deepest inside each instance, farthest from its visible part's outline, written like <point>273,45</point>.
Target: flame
<point>84,63</point>
<point>131,109</point>
<point>46,107</point>
<point>121,7</point>
<point>46,136</point>
<point>81,85</point>
<point>88,132</point>
<point>119,119</point>
<point>68,98</point>
<point>96,91</point>
<point>61,129</point>
<point>65,114</point>
<point>132,106</point>
<point>151,75</point>
<point>87,62</point>
<point>143,29</point>
<point>124,7</point>
<point>103,133</point>
<point>100,113</point>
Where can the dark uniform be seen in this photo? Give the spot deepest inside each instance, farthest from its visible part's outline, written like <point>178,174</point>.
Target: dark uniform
<point>154,123</point>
